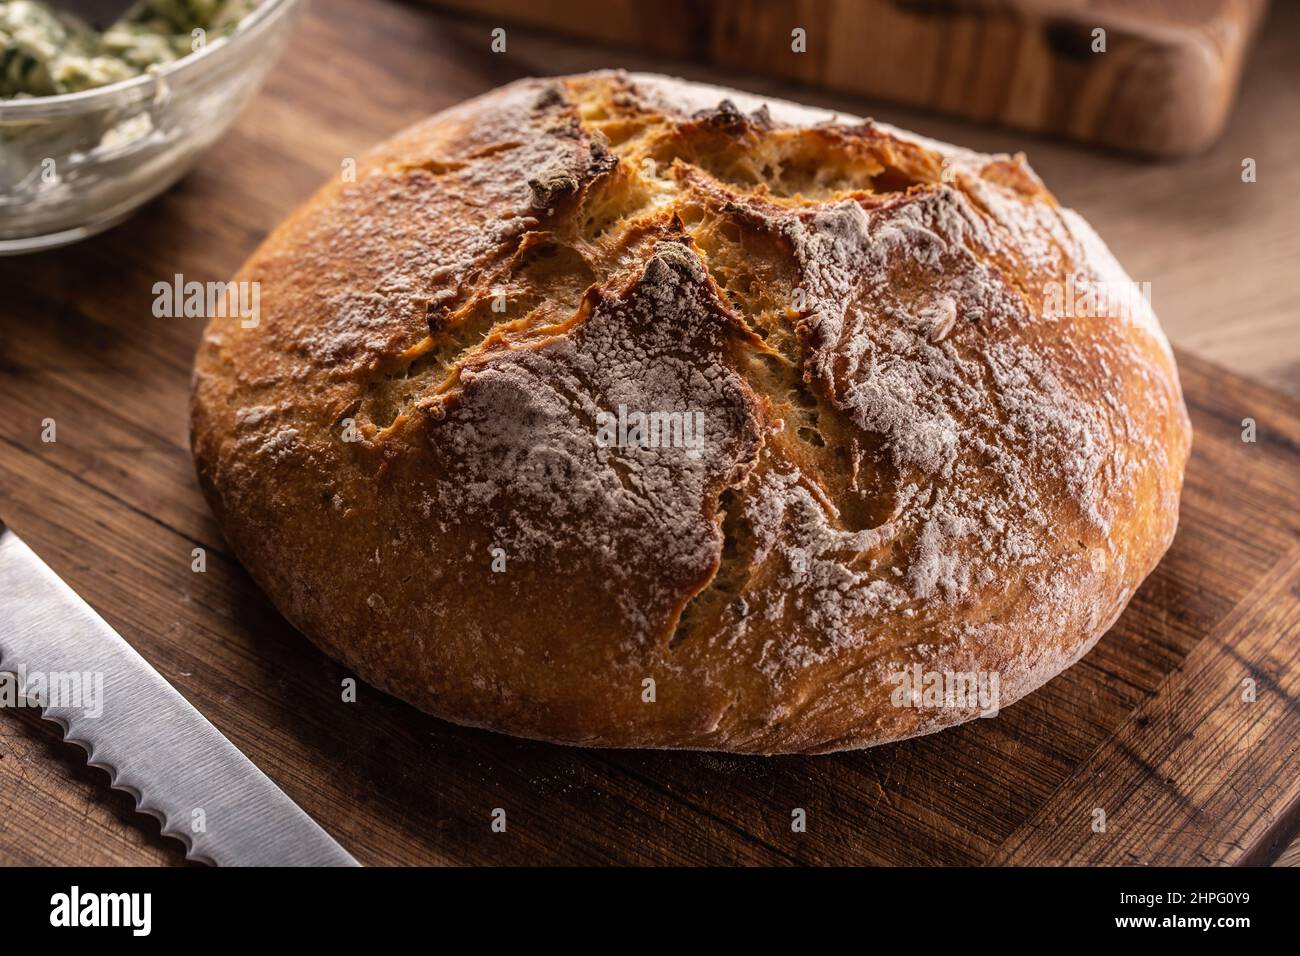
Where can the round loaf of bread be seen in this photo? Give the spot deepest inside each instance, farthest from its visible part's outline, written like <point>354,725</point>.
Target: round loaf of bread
<point>620,411</point>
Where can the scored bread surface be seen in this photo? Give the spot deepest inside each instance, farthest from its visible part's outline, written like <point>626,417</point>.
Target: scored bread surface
<point>908,455</point>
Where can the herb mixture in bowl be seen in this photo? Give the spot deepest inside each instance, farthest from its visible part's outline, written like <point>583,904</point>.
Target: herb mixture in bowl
<point>94,124</point>
<point>45,52</point>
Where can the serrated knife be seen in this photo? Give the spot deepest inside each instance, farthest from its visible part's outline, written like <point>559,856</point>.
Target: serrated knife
<point>154,745</point>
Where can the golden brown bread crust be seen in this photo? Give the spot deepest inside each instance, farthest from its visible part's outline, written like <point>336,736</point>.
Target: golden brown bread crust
<point>906,461</point>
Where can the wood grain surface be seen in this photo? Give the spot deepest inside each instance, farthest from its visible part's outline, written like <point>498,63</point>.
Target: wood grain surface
<point>1163,85</point>
<point>1150,728</point>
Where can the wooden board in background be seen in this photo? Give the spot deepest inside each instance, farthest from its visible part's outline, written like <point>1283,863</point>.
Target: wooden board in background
<point>1164,84</point>
<point>1149,727</point>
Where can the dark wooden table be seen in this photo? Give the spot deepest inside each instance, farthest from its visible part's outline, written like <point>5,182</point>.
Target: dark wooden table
<point>1150,727</point>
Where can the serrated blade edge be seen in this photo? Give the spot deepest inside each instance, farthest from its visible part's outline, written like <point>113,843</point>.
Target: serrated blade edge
<point>153,743</point>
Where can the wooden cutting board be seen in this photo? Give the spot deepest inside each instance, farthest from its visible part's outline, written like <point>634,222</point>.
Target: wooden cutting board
<point>1150,728</point>
<point>1160,79</point>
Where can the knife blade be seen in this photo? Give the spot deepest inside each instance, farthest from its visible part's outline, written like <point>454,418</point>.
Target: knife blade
<point>131,722</point>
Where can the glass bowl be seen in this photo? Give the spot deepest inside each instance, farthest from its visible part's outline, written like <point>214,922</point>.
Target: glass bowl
<point>74,165</point>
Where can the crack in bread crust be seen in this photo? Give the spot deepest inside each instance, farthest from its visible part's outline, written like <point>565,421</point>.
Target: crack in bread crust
<point>710,161</point>
<point>904,460</point>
